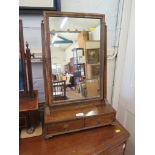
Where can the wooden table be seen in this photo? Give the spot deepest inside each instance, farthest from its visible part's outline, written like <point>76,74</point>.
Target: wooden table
<point>108,140</point>
<point>28,108</point>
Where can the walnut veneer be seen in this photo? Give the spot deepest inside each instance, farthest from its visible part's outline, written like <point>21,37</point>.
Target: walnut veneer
<point>77,117</point>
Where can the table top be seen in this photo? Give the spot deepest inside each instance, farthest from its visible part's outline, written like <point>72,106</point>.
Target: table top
<point>28,104</point>
<point>87,142</point>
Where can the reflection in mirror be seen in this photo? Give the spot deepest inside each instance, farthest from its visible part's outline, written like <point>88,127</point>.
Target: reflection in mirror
<point>75,53</point>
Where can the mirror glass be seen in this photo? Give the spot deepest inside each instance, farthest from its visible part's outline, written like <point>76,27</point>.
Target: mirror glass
<point>75,57</point>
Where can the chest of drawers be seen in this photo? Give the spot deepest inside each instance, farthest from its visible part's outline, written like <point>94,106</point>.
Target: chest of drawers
<point>76,118</point>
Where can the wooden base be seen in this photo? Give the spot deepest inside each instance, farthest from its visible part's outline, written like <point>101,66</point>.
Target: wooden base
<point>71,118</point>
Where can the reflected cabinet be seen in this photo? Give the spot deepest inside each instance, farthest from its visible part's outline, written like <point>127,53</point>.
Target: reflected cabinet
<point>74,51</point>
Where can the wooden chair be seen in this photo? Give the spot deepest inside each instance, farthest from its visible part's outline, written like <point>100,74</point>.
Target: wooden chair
<point>59,90</point>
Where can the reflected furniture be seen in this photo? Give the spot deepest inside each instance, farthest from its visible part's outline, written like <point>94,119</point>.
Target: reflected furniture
<point>92,87</point>
<point>59,90</point>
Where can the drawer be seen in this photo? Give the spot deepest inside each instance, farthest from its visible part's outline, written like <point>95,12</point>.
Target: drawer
<point>64,126</point>
<point>119,150</point>
<point>99,120</point>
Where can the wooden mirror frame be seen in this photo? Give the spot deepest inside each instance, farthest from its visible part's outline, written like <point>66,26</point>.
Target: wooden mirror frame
<point>46,55</point>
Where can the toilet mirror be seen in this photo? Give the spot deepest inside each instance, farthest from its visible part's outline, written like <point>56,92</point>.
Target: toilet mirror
<point>74,48</point>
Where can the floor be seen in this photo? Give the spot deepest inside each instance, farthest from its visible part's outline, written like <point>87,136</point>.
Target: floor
<point>73,94</point>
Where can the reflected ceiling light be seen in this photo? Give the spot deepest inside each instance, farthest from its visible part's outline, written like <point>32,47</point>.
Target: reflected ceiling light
<point>54,38</point>
<point>91,29</point>
<point>63,22</point>
<point>90,113</point>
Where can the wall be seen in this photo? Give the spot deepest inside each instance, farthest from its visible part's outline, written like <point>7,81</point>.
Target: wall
<point>69,53</point>
<point>32,30</point>
<point>58,56</point>
<point>124,90</point>
<point>95,35</point>
<point>38,83</point>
